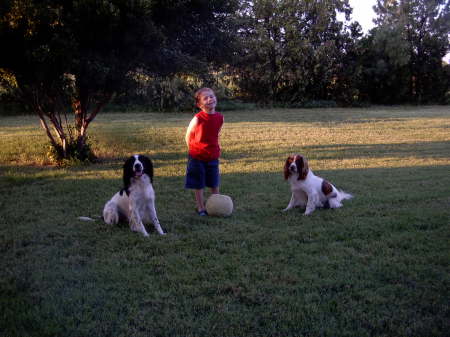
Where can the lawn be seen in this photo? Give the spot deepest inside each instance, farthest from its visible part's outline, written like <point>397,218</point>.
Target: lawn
<point>379,266</point>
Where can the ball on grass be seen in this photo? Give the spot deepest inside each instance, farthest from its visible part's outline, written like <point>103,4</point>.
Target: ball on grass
<point>219,205</point>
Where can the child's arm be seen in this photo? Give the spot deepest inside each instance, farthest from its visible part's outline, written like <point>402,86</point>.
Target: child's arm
<point>190,130</point>
<point>223,121</point>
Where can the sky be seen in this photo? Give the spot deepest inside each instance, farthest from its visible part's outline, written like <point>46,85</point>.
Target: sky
<point>363,13</point>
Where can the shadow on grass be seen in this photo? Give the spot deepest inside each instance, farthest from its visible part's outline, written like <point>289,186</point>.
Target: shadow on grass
<point>255,152</point>
<point>347,151</point>
<point>55,195</point>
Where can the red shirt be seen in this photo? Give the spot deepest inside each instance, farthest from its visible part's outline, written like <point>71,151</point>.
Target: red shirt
<point>204,140</point>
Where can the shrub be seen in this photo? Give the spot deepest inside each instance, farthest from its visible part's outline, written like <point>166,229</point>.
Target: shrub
<point>74,156</point>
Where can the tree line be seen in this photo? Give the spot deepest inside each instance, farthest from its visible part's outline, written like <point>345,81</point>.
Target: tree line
<point>72,57</point>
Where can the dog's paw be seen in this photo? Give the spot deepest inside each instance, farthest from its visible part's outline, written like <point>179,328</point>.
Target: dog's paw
<point>111,218</point>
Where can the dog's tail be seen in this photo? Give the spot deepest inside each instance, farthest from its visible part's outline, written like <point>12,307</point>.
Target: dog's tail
<point>86,218</point>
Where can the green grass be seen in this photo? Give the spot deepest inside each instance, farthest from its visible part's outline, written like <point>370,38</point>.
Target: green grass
<point>379,266</point>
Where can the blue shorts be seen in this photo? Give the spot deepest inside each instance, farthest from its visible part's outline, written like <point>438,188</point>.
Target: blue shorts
<point>202,173</point>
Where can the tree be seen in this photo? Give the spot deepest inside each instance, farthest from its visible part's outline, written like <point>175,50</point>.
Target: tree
<point>385,70</point>
<point>72,57</point>
<point>293,50</point>
<point>405,51</point>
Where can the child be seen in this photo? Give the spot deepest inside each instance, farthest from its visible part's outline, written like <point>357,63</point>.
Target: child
<point>202,139</point>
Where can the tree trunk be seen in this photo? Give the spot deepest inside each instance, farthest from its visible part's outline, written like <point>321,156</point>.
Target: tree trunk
<point>83,119</point>
<point>58,140</point>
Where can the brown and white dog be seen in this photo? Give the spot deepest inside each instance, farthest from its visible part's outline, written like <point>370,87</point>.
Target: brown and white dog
<point>309,190</point>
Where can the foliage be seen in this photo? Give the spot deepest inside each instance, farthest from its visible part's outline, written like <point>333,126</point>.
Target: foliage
<point>174,92</point>
<point>71,58</point>
<point>376,267</point>
<point>297,51</point>
<point>168,93</point>
<point>67,59</point>
<point>294,51</point>
<point>72,155</point>
<point>403,54</point>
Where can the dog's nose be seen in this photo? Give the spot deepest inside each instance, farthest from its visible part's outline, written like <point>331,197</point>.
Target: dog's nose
<point>138,167</point>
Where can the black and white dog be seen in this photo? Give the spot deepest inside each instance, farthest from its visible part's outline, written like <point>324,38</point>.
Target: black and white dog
<point>135,202</point>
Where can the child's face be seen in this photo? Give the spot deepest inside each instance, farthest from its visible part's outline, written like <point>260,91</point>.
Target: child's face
<point>207,101</point>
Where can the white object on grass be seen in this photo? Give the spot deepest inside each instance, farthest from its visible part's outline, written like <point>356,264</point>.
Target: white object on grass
<point>219,205</point>
<point>85,218</point>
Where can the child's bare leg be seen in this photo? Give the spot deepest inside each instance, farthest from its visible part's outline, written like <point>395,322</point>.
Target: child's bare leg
<point>215,190</point>
<point>199,200</point>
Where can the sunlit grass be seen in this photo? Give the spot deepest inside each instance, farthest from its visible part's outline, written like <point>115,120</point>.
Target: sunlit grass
<point>339,138</point>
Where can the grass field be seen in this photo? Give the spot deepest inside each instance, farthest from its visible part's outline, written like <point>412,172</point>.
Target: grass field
<point>379,266</point>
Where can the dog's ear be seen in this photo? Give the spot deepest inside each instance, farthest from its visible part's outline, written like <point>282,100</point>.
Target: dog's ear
<point>127,174</point>
<point>148,166</point>
<point>305,168</point>
<point>302,167</point>
<point>286,167</point>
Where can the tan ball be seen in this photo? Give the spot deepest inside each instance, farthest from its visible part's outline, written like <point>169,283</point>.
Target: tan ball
<point>219,205</point>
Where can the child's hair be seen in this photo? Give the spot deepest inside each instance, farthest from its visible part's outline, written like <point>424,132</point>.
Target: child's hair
<point>199,92</point>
